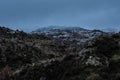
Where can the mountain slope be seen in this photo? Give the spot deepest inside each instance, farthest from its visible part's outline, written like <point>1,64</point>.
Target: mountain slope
<point>98,61</point>
<point>41,56</point>
<point>74,36</point>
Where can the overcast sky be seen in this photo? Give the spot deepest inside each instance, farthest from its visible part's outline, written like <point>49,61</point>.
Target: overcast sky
<point>32,14</point>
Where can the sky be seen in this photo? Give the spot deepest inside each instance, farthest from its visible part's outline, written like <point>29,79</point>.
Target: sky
<point>29,15</point>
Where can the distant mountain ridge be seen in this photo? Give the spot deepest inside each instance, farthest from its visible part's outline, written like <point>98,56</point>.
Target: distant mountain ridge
<point>69,33</point>
<point>75,36</point>
<point>50,28</point>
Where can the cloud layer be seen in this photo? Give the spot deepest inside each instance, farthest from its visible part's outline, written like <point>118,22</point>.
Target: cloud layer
<point>32,14</point>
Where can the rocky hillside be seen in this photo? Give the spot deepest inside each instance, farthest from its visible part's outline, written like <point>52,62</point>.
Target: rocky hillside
<point>75,35</point>
<point>59,54</point>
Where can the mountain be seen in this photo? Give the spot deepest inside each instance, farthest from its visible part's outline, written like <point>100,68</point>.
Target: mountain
<point>46,29</point>
<point>76,35</point>
<point>62,32</point>
<point>81,55</point>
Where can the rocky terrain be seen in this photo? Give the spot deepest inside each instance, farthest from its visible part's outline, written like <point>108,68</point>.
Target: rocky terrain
<point>59,54</point>
<point>74,36</point>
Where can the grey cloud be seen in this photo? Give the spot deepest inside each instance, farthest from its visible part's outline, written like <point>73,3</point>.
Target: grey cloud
<point>26,14</point>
